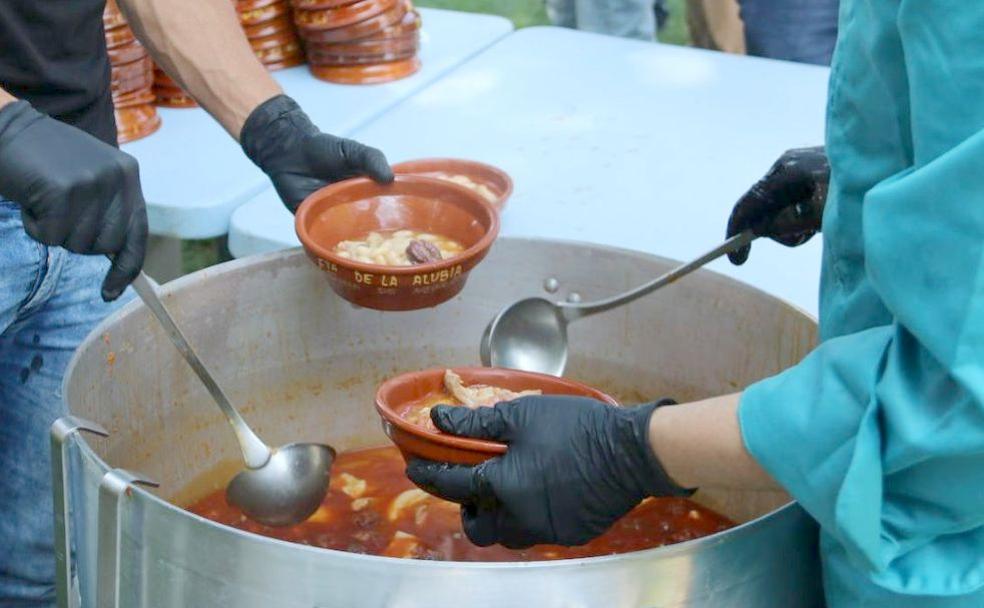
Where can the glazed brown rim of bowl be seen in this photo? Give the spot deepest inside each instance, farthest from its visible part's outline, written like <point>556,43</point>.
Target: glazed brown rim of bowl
<point>290,62</point>
<point>484,446</point>
<point>280,23</point>
<point>136,122</point>
<point>249,5</point>
<point>363,29</point>
<point>328,254</point>
<point>140,97</point>
<point>126,53</point>
<point>342,16</point>
<point>262,15</point>
<point>371,73</point>
<point>371,49</point>
<point>288,50</point>
<point>112,15</point>
<point>327,60</point>
<point>279,39</point>
<point>118,36</point>
<point>312,5</point>
<point>429,167</point>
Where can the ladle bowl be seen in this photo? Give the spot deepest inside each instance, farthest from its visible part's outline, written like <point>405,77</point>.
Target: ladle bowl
<point>531,334</point>
<point>288,488</point>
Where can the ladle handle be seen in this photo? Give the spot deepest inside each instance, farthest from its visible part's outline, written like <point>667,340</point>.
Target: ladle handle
<point>574,311</point>
<point>255,452</point>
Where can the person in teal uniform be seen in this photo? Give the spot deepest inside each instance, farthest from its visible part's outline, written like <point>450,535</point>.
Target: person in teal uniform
<point>879,432</point>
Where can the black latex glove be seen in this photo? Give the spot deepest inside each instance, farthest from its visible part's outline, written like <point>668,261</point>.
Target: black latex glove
<point>573,467</point>
<point>787,204</point>
<point>74,191</point>
<point>299,159</point>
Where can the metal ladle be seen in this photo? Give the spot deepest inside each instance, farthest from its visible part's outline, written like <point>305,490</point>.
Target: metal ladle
<point>278,487</point>
<point>531,334</point>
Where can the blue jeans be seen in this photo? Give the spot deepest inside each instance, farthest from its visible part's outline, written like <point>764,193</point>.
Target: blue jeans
<point>626,18</point>
<point>795,30</point>
<point>49,302</point>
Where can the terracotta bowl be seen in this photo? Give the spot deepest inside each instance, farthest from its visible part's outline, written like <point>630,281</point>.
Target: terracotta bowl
<point>119,36</point>
<point>136,122</point>
<point>328,59</point>
<point>341,16</point>
<point>275,54</point>
<point>417,442</point>
<point>362,52</point>
<point>373,73</point>
<point>318,4</point>
<point>288,62</point>
<point>281,23</point>
<point>249,5</point>
<point>126,53</point>
<point>255,16</point>
<point>363,29</point>
<point>351,209</point>
<point>497,180</point>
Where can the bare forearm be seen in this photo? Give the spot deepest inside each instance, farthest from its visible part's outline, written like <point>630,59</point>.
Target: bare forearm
<point>6,98</point>
<point>700,445</point>
<point>201,45</point>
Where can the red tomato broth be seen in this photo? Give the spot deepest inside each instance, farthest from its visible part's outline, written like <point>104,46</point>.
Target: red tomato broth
<point>418,411</point>
<point>435,525</point>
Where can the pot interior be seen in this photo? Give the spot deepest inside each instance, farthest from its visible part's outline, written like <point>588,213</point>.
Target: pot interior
<point>304,365</point>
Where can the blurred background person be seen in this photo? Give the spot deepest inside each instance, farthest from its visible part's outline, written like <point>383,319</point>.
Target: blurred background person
<point>794,30</point>
<point>639,19</point>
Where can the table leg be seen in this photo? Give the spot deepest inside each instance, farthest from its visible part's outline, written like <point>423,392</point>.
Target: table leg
<point>163,261</point>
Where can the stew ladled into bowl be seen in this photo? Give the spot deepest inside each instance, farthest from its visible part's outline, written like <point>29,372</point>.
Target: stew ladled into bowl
<point>399,248</point>
<point>456,392</point>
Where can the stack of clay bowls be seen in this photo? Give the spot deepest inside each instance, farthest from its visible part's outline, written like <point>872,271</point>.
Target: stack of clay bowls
<point>271,32</point>
<point>131,79</point>
<point>359,41</point>
<point>169,94</point>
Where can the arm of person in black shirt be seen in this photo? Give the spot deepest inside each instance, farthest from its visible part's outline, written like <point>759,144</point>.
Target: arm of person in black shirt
<point>201,45</point>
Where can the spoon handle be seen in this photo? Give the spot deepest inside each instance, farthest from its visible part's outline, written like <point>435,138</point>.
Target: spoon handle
<point>255,452</point>
<point>574,311</point>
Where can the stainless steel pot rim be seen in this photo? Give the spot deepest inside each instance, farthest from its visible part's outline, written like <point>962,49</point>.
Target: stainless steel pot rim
<point>176,286</point>
<point>746,528</point>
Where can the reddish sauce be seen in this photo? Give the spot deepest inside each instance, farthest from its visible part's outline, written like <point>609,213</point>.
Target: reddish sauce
<point>418,412</point>
<point>372,508</point>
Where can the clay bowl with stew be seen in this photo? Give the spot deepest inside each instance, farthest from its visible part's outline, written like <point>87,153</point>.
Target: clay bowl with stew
<point>498,186</point>
<point>351,209</point>
<point>415,441</point>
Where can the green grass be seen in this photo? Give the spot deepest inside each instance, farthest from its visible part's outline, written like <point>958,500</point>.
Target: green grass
<point>525,13</point>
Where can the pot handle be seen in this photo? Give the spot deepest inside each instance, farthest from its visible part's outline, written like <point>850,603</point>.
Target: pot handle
<point>62,431</point>
<point>114,489</point>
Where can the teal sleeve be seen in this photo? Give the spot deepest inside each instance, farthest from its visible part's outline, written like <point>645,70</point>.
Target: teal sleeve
<point>892,473</point>
<point>880,434</point>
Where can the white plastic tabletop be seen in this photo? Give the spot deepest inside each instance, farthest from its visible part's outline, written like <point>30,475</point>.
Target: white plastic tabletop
<point>631,144</point>
<point>194,175</point>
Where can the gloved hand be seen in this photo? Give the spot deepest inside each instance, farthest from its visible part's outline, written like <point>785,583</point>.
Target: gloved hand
<point>787,204</point>
<point>573,467</point>
<point>299,159</point>
<point>74,191</point>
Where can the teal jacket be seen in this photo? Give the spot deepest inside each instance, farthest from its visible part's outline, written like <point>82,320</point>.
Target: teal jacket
<point>879,433</point>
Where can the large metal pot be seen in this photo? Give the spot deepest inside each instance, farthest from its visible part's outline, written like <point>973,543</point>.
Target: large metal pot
<point>304,365</point>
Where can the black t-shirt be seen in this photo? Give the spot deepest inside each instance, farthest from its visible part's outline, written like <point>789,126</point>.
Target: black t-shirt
<point>53,55</point>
